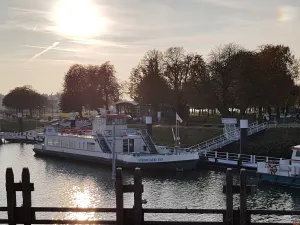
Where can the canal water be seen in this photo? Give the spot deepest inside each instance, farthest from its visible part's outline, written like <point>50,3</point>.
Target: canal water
<point>63,183</point>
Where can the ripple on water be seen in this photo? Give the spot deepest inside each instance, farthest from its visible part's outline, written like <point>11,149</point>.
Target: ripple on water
<point>71,184</point>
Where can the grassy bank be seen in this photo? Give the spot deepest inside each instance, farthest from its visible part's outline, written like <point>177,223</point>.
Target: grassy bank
<point>11,126</point>
<point>188,136</point>
<point>275,142</point>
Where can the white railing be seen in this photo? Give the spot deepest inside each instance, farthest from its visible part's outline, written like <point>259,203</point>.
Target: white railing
<point>252,159</point>
<point>222,140</point>
<point>109,144</point>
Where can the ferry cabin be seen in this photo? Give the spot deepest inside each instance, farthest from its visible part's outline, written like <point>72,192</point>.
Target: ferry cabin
<point>126,140</point>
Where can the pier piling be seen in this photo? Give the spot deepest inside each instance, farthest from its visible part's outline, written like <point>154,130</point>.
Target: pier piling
<point>134,215</point>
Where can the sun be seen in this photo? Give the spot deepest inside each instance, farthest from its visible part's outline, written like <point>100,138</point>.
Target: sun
<point>78,18</point>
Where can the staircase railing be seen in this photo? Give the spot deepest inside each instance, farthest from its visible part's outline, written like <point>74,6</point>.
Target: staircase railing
<point>222,140</point>
<point>144,135</point>
<point>106,140</point>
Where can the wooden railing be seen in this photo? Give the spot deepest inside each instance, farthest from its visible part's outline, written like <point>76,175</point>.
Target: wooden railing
<point>26,214</point>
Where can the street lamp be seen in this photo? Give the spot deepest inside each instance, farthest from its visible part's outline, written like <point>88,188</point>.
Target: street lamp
<point>37,116</point>
<point>52,104</point>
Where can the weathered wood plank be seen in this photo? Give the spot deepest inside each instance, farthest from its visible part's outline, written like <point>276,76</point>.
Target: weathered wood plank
<point>26,194</point>
<point>229,197</point>
<point>67,209</point>
<point>181,223</point>
<point>243,198</point>
<point>273,212</point>
<point>18,187</point>
<point>11,196</point>
<point>187,211</point>
<point>119,197</point>
<point>74,222</point>
<point>137,208</point>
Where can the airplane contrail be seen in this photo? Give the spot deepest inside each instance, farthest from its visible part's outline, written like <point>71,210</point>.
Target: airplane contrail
<point>42,52</point>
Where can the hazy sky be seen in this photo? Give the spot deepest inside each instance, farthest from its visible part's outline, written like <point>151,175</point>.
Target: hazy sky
<point>40,39</point>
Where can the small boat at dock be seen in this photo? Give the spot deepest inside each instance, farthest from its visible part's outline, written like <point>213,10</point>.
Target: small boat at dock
<point>109,136</point>
<point>284,172</point>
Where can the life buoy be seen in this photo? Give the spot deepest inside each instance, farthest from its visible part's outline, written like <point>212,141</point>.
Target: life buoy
<point>273,168</point>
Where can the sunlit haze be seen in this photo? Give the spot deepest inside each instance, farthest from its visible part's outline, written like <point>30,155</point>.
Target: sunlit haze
<point>41,39</point>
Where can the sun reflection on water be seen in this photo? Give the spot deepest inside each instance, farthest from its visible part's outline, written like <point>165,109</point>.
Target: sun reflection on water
<point>82,198</point>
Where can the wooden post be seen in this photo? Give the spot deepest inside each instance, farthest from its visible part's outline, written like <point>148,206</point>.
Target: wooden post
<point>138,190</point>
<point>243,198</point>
<point>11,196</point>
<point>26,194</point>
<point>229,197</point>
<point>119,196</point>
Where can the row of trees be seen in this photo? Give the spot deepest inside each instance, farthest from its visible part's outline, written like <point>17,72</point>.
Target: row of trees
<point>89,87</point>
<point>24,98</point>
<point>231,77</point>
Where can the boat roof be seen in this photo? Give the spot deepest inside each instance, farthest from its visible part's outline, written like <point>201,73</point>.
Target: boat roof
<point>115,116</point>
<point>296,147</point>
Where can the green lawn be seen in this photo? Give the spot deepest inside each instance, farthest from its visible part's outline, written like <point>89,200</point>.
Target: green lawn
<point>11,126</point>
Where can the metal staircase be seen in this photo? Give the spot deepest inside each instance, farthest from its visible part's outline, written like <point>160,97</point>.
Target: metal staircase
<point>226,138</point>
<point>149,142</point>
<point>103,143</point>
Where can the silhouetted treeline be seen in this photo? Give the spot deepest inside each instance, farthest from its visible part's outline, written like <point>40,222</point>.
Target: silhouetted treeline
<point>90,87</point>
<point>231,77</point>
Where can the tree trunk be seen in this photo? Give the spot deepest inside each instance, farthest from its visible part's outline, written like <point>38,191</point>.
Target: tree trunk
<point>242,112</point>
<point>277,113</point>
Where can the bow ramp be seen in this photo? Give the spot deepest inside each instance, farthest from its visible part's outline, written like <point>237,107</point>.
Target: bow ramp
<point>228,137</point>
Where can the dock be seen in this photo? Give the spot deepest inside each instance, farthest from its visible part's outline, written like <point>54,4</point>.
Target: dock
<point>135,215</point>
<point>226,159</point>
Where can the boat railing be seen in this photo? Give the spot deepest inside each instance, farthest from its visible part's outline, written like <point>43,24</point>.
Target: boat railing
<point>109,144</point>
<point>243,157</point>
<point>144,134</point>
<point>222,140</point>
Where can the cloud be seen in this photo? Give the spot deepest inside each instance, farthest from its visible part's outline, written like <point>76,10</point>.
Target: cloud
<point>55,48</point>
<point>42,52</point>
<point>286,13</point>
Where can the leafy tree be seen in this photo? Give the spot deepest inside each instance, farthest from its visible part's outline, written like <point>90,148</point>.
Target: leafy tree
<point>22,98</point>
<point>278,70</point>
<point>90,86</point>
<point>197,88</point>
<point>147,84</point>
<point>110,86</point>
<point>74,89</point>
<point>246,80</point>
<point>222,76</point>
<point>177,73</point>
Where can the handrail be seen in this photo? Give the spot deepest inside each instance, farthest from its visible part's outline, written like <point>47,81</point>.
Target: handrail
<point>145,133</point>
<point>252,128</point>
<point>107,142</point>
<point>244,157</point>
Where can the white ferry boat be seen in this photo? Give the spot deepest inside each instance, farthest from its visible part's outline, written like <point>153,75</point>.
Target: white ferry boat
<point>132,148</point>
<point>285,172</point>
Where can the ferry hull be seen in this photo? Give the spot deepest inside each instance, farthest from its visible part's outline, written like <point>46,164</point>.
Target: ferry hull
<point>187,165</point>
<point>280,180</point>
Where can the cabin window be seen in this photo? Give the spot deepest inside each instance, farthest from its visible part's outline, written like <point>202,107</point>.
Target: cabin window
<point>55,142</point>
<point>64,144</point>
<point>71,144</point>
<point>125,145</point>
<point>50,142</point>
<point>83,145</point>
<point>131,145</point>
<point>297,153</point>
<point>109,121</point>
<point>90,146</point>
